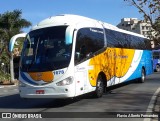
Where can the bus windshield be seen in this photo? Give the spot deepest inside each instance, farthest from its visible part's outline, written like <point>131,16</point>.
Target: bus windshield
<point>46,49</point>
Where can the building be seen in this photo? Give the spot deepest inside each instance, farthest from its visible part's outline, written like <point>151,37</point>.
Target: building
<point>137,26</point>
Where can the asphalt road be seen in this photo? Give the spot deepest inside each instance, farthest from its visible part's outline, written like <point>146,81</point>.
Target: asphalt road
<point>133,97</point>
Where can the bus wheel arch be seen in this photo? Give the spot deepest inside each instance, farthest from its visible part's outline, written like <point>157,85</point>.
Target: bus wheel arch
<point>100,85</point>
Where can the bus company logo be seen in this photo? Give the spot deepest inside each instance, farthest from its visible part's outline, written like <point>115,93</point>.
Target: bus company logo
<point>39,76</point>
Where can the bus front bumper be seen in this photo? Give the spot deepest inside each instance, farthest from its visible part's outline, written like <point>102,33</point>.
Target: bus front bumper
<point>46,92</point>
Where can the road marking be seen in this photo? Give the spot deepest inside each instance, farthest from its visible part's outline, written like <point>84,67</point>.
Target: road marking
<point>152,103</point>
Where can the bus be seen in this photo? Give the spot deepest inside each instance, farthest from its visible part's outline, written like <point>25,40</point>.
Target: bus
<point>65,56</point>
<point>156,60</point>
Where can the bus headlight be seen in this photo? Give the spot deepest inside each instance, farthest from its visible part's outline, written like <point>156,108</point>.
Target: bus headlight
<point>66,81</point>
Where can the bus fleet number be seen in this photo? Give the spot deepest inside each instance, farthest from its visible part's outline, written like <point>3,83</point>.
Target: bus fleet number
<point>58,72</point>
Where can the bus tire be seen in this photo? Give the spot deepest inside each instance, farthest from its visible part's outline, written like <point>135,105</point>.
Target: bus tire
<point>143,76</point>
<point>99,87</point>
<point>157,68</point>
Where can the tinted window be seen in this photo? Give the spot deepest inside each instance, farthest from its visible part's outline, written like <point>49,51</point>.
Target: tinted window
<point>89,41</point>
<point>148,44</point>
<point>156,55</point>
<point>111,40</point>
<point>122,40</point>
<point>117,39</point>
<point>137,43</point>
<point>46,49</point>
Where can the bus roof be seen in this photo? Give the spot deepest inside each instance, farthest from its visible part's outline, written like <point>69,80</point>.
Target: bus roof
<point>69,19</point>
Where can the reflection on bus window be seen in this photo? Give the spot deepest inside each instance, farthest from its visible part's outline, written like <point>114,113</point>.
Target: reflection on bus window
<point>46,49</point>
<point>89,41</point>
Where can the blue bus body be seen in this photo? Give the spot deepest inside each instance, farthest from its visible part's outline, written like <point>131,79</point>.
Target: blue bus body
<point>156,60</point>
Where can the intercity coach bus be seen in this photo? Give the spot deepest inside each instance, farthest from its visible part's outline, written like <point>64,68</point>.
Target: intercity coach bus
<point>69,55</point>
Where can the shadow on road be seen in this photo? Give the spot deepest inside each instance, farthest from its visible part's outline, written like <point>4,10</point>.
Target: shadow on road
<point>16,102</point>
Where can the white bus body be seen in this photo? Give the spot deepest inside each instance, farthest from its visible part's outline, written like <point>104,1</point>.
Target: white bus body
<point>70,80</point>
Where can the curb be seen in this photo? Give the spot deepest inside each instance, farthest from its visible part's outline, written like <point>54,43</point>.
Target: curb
<point>7,86</point>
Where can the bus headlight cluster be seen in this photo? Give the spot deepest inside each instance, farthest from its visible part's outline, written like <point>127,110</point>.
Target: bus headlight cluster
<point>66,81</point>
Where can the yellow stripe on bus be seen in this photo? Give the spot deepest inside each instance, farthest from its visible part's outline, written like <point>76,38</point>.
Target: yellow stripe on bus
<point>113,62</point>
<point>45,76</point>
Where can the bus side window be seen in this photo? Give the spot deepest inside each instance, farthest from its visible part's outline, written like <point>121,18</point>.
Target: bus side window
<point>83,51</point>
<point>88,42</point>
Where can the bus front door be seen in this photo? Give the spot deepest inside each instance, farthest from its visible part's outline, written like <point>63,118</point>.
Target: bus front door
<point>80,78</point>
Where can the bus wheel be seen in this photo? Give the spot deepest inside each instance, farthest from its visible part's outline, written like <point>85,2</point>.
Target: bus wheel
<point>99,87</point>
<point>143,75</point>
<point>157,68</point>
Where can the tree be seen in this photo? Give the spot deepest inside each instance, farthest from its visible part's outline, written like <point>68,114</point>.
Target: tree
<point>11,23</point>
<point>151,12</point>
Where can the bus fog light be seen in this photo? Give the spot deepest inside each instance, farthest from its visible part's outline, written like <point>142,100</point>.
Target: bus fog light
<point>66,81</point>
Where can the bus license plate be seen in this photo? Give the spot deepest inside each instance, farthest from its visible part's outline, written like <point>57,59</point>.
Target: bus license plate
<point>40,91</point>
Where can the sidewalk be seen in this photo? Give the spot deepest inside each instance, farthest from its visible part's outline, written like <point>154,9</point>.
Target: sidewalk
<point>7,86</point>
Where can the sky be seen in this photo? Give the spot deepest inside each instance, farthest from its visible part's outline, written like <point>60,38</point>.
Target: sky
<point>109,11</point>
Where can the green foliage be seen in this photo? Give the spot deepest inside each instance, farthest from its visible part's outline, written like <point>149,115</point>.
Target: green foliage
<point>11,23</point>
<point>157,25</point>
<point>20,43</point>
<point>151,12</point>
<point>4,76</point>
